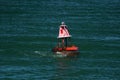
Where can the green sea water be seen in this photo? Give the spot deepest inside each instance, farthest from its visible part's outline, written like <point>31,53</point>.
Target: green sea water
<point>29,30</point>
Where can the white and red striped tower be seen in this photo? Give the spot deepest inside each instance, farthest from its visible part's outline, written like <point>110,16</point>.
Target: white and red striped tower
<point>63,33</point>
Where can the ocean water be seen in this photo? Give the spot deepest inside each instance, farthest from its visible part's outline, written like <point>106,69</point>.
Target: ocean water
<point>29,30</point>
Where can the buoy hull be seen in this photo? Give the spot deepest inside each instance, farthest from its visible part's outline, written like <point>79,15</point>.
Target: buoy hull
<point>66,51</point>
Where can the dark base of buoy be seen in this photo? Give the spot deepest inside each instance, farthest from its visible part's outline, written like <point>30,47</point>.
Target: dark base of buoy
<point>67,53</point>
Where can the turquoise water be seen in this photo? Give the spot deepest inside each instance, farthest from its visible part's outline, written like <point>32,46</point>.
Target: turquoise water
<point>29,29</point>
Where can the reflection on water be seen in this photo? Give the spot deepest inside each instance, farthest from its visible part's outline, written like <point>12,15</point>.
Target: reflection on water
<point>64,68</point>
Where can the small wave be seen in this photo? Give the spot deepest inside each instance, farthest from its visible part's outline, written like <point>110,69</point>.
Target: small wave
<point>49,54</point>
<point>44,54</point>
<point>59,56</point>
<point>99,38</point>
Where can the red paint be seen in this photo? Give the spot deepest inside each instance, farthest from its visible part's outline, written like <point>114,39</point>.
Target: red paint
<point>61,31</point>
<point>72,48</point>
